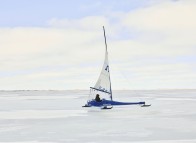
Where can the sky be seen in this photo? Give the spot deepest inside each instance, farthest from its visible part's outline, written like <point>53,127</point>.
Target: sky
<point>59,44</point>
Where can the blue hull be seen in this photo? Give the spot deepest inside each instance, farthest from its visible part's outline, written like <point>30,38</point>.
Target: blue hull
<point>111,103</point>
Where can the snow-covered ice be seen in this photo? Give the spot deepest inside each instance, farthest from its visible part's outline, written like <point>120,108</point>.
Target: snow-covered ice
<point>57,116</point>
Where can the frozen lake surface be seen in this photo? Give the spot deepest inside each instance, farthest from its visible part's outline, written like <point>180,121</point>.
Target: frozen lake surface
<point>57,116</point>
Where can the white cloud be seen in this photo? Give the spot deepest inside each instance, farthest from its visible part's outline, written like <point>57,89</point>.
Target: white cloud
<point>172,24</point>
<point>38,46</point>
<point>167,16</point>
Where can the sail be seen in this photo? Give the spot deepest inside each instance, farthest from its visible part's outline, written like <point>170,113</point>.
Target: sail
<point>103,83</point>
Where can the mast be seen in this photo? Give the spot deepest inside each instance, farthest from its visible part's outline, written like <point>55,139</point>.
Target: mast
<point>108,65</point>
<point>105,39</point>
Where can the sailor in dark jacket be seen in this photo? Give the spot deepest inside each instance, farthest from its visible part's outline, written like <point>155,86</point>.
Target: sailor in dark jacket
<point>97,98</point>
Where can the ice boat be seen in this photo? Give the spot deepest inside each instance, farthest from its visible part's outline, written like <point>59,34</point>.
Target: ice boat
<point>103,89</point>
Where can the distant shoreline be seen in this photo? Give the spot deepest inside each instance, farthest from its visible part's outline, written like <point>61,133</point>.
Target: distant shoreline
<point>88,90</point>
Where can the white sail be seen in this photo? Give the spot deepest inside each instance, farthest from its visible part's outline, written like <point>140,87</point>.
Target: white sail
<point>103,83</point>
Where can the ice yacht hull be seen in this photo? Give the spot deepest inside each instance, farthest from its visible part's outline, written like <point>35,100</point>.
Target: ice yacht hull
<point>104,103</point>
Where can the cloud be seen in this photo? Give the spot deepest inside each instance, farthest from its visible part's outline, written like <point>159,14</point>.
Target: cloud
<point>43,45</point>
<point>163,16</point>
<point>172,24</point>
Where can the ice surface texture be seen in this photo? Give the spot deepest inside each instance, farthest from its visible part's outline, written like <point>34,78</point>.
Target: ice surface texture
<point>57,116</point>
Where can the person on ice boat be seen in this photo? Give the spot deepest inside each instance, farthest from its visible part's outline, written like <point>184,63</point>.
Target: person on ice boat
<point>97,98</point>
